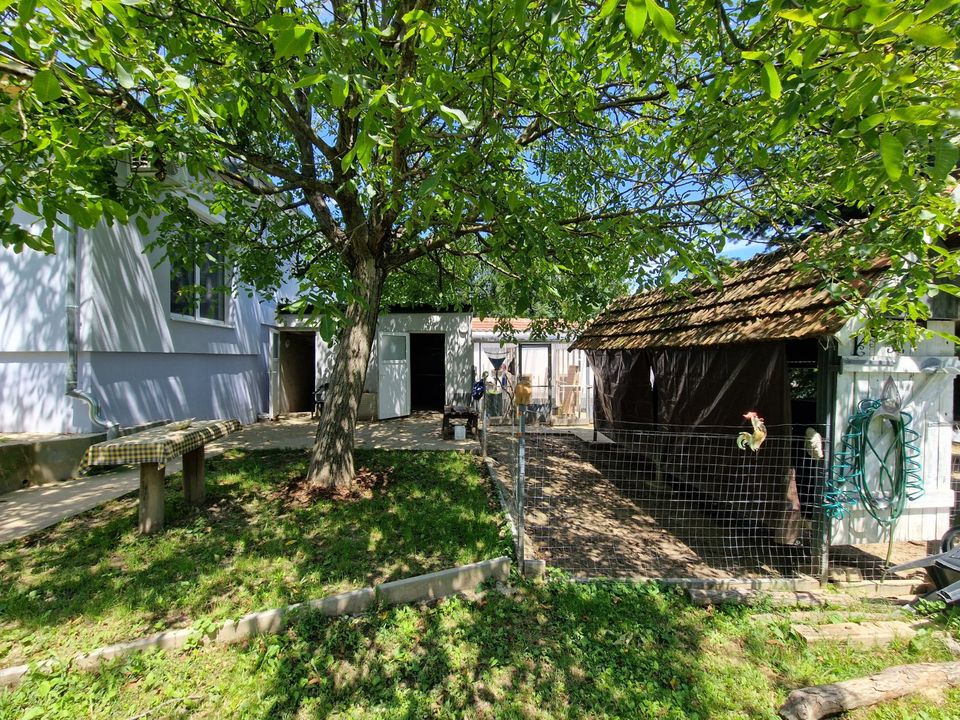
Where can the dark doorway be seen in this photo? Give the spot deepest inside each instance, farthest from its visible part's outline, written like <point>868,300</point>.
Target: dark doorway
<point>427,371</point>
<point>297,371</point>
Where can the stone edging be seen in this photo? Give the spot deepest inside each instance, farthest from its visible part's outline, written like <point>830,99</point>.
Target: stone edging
<point>420,588</point>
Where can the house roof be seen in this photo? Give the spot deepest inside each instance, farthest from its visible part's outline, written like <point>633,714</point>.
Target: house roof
<point>489,325</point>
<point>771,297</point>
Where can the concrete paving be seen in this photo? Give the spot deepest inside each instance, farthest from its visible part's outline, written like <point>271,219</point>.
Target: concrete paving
<point>26,511</point>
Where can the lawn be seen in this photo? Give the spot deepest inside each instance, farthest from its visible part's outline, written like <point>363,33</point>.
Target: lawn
<point>558,650</point>
<point>92,580</point>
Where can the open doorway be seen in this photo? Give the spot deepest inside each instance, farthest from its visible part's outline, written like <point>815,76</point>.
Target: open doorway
<point>297,360</point>
<point>428,378</point>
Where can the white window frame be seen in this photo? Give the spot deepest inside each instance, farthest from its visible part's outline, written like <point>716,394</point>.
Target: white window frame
<point>205,216</point>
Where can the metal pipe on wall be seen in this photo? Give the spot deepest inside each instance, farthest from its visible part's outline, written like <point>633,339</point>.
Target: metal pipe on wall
<point>72,388</point>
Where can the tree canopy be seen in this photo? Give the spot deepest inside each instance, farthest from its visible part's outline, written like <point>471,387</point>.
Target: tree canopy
<point>508,154</point>
<point>504,151</point>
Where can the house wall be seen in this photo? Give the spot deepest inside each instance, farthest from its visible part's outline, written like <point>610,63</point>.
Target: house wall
<point>928,397</point>
<point>141,363</point>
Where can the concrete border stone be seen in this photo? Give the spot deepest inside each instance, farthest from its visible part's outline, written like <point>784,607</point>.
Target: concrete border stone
<point>422,588</point>
<point>270,622</point>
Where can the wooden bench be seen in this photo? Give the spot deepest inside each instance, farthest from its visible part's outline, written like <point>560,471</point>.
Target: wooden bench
<point>152,450</point>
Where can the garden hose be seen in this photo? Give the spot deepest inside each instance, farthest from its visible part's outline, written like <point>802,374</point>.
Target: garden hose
<point>898,477</point>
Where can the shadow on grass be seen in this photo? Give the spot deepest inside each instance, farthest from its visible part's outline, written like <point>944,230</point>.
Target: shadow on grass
<point>563,650</point>
<point>247,549</point>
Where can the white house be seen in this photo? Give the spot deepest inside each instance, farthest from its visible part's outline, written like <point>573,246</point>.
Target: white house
<point>139,353</point>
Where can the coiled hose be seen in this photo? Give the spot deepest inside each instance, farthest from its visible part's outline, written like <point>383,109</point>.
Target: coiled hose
<point>898,476</point>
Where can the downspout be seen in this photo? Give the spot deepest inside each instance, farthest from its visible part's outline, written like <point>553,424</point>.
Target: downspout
<point>93,406</point>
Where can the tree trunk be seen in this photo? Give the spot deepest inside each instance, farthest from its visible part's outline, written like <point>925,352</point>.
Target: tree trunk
<point>813,703</point>
<point>332,462</point>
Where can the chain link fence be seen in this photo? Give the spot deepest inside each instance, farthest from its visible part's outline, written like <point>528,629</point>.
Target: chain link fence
<point>647,501</point>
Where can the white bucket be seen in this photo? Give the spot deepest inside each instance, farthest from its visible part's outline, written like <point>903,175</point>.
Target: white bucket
<point>459,432</point>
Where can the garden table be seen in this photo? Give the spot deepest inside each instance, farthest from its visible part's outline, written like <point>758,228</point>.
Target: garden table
<point>152,449</point>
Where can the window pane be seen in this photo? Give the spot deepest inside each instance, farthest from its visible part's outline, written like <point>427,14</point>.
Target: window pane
<point>181,295</point>
<point>394,347</point>
<point>213,301</point>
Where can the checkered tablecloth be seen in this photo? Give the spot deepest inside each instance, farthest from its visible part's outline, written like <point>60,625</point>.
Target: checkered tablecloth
<point>157,445</point>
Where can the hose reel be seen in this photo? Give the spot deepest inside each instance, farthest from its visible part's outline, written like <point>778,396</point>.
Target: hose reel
<point>898,478</point>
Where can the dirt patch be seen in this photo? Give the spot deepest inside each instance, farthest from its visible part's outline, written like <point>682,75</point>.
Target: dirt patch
<point>584,518</point>
<point>300,493</point>
<point>867,561</point>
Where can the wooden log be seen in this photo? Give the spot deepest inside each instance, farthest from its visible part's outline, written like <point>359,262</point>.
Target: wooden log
<point>819,701</point>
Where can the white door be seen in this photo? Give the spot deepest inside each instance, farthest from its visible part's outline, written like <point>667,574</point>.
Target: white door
<point>393,398</point>
<point>274,373</point>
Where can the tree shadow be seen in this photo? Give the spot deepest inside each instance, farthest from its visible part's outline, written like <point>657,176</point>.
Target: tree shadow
<point>559,650</point>
<point>248,549</point>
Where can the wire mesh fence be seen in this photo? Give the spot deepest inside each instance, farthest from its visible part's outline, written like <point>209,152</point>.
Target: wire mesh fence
<point>631,500</point>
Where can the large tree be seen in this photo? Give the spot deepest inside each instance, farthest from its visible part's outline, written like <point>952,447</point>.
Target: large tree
<point>502,153</point>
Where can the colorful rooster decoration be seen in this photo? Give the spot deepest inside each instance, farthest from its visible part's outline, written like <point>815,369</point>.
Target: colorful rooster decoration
<point>754,439</point>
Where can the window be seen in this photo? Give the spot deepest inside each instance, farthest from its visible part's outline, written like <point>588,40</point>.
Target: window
<point>200,291</point>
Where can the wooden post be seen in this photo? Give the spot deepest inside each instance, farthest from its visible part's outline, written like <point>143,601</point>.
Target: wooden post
<point>151,498</point>
<point>194,487</point>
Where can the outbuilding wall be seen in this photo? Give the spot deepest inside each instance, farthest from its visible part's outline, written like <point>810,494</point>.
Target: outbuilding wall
<point>924,380</point>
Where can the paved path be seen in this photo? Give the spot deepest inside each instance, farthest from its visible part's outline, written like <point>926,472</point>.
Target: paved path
<point>25,511</point>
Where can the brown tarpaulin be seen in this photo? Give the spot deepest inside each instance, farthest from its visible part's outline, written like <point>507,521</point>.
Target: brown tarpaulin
<point>699,396</point>
<point>621,382</point>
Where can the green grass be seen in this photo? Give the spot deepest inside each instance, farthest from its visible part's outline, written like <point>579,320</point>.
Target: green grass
<point>560,650</point>
<point>92,580</point>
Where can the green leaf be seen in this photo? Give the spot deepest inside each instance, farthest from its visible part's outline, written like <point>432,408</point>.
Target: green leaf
<point>811,53</point>
<point>452,115</point>
<point>415,16</point>
<point>26,8</point>
<point>934,7</point>
<point>292,42</point>
<point>183,82</point>
<point>931,36</point>
<point>869,123</point>
<point>46,86</point>
<point>891,152</point>
<point>313,78</point>
<point>946,155</point>
<point>606,10</point>
<point>339,88</point>
<point>124,77</point>
<point>771,81</point>
<point>635,17</point>
<point>663,21</point>
<point>804,17</point>
<point>504,80</point>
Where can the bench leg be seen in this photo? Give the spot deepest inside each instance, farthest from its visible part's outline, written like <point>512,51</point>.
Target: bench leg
<point>151,498</point>
<point>194,487</point>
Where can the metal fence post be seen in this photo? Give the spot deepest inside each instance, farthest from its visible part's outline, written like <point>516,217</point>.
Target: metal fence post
<point>483,427</point>
<point>520,491</point>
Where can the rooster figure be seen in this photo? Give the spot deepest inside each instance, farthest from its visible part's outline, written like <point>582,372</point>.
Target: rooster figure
<point>754,439</point>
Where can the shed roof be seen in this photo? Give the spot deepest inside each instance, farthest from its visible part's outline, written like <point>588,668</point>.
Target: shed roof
<point>771,297</point>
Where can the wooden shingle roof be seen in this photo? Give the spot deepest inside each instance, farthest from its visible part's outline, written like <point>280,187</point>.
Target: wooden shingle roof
<point>772,297</point>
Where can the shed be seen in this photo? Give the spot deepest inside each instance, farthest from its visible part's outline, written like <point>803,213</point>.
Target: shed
<point>420,361</point>
<point>770,340</point>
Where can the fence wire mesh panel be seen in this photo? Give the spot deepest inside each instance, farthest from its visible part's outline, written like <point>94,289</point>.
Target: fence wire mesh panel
<point>649,501</point>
